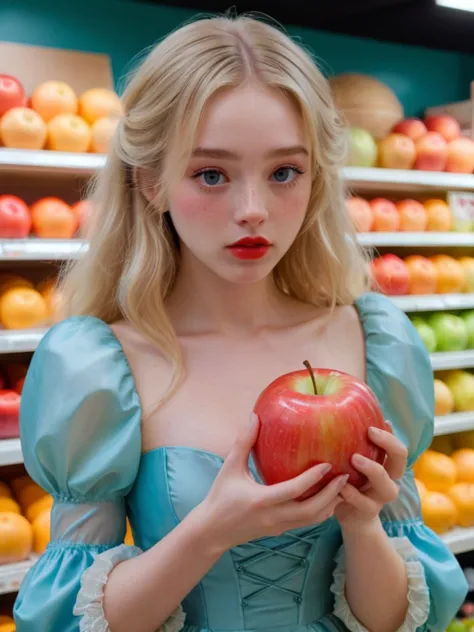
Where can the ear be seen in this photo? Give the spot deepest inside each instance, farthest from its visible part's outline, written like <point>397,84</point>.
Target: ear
<point>146,182</point>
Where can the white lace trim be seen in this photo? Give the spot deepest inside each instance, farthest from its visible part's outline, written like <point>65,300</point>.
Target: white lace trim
<point>89,603</point>
<point>418,593</point>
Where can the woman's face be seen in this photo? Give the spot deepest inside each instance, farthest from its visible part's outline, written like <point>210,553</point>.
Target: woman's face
<point>248,179</point>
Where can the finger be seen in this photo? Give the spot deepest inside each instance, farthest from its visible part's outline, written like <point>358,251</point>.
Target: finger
<point>383,488</point>
<point>297,486</point>
<point>315,504</point>
<point>397,452</point>
<point>362,502</point>
<point>240,451</point>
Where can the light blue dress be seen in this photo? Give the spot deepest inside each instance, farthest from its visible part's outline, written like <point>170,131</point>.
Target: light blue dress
<point>80,428</point>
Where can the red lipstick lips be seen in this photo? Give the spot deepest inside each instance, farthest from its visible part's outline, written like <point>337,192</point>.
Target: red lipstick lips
<point>250,248</point>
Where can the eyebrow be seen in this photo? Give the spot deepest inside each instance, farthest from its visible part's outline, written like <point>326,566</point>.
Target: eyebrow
<point>211,152</point>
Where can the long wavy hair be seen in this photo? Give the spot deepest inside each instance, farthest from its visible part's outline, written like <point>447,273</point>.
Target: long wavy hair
<point>134,254</point>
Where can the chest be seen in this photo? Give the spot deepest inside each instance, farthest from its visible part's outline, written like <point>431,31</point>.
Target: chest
<point>223,379</point>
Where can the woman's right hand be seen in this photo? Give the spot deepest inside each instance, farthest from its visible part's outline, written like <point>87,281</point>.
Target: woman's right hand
<point>238,509</point>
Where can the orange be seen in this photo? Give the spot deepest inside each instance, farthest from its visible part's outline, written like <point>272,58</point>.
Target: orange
<point>54,97</point>
<point>421,488</point>
<point>437,471</point>
<point>23,128</point>
<point>128,535</point>
<point>102,132</point>
<point>39,506</point>
<point>16,538</point>
<point>450,274</point>
<point>468,268</point>
<point>462,494</point>
<point>464,460</point>
<point>29,494</point>
<point>423,275</point>
<point>19,483</point>
<point>8,504</point>
<point>41,531</point>
<point>8,627</point>
<point>5,491</point>
<point>5,619</point>
<point>22,308</point>
<point>439,215</point>
<point>52,296</point>
<point>8,281</point>
<point>53,219</point>
<point>68,132</point>
<point>96,103</point>
<point>444,400</point>
<point>438,511</point>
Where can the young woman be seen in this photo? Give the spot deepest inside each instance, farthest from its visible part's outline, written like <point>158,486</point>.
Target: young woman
<point>221,257</point>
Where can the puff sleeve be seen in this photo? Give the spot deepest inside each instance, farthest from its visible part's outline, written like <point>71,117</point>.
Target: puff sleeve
<point>400,374</point>
<point>80,433</point>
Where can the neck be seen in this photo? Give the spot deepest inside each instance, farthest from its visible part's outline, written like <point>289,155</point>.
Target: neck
<point>202,302</point>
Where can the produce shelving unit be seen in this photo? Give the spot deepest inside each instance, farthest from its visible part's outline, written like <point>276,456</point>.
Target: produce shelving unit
<point>72,170</point>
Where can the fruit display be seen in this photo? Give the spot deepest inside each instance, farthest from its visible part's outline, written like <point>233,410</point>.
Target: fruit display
<point>408,215</point>
<point>305,417</point>
<point>11,382</point>
<point>47,218</point>
<point>56,118</point>
<point>24,305</point>
<point>435,144</point>
<point>445,331</point>
<point>454,392</point>
<point>420,275</point>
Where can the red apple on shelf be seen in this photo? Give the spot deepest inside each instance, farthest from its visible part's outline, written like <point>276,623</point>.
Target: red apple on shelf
<point>15,218</point>
<point>431,152</point>
<point>445,125</point>
<point>460,156</point>
<point>361,214</point>
<point>12,94</point>
<point>413,216</point>
<point>391,275</point>
<point>396,151</point>
<point>386,215</point>
<point>315,416</point>
<point>414,128</point>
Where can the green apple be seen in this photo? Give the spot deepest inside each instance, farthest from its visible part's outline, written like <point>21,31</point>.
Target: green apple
<point>468,318</point>
<point>362,148</point>
<point>425,332</point>
<point>450,331</point>
<point>461,385</point>
<point>456,626</point>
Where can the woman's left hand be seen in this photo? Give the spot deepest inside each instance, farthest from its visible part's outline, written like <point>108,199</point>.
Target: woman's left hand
<point>360,509</point>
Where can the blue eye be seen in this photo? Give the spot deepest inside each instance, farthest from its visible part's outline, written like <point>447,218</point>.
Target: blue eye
<point>210,177</point>
<point>285,175</point>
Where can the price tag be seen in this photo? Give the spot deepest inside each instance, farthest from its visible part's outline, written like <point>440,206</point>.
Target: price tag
<point>461,204</point>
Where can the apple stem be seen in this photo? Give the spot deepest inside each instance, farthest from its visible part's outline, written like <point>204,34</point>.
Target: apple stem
<point>311,373</point>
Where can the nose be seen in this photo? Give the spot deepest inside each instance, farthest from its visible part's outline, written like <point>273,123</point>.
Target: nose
<point>251,208</point>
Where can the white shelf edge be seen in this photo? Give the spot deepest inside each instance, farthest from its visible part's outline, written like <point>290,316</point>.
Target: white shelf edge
<point>456,422</point>
<point>459,540</point>
<point>41,249</point>
<point>433,302</point>
<point>10,452</point>
<point>20,341</point>
<point>41,161</point>
<point>360,177</point>
<point>448,360</point>
<point>11,575</point>
<point>417,240</point>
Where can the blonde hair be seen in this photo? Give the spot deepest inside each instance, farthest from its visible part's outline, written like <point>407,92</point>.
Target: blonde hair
<point>133,257</point>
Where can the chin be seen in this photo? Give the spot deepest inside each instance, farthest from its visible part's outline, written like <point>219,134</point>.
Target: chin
<point>245,273</point>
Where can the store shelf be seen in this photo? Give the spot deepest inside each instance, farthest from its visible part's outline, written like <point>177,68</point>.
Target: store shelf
<point>11,576</point>
<point>395,180</point>
<point>417,240</point>
<point>43,161</point>
<point>41,249</point>
<point>447,360</point>
<point>20,341</point>
<point>457,422</point>
<point>433,303</point>
<point>459,540</point>
<point>10,452</point>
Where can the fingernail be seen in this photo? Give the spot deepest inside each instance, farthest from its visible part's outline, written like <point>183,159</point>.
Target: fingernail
<point>374,430</point>
<point>327,467</point>
<point>343,480</point>
<point>359,459</point>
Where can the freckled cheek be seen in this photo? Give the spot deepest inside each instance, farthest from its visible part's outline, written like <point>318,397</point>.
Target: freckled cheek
<point>193,206</point>
<point>292,207</point>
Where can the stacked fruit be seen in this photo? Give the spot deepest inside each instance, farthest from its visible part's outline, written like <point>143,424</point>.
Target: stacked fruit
<point>11,386</point>
<point>416,274</point>
<point>24,306</point>
<point>56,118</point>
<point>434,144</point>
<point>445,331</point>
<point>47,218</point>
<point>464,622</point>
<point>384,215</point>
<point>7,624</point>
<point>454,392</point>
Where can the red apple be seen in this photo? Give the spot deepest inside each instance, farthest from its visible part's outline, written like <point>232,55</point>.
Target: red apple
<point>414,128</point>
<point>360,213</point>
<point>431,152</point>
<point>309,417</point>
<point>12,93</point>
<point>386,215</point>
<point>397,151</point>
<point>445,125</point>
<point>391,275</point>
<point>460,156</point>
